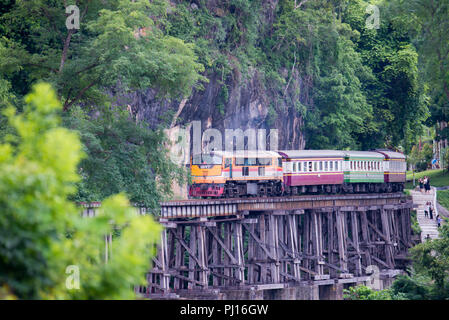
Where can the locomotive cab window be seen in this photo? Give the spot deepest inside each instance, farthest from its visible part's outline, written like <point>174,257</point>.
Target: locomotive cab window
<point>263,161</point>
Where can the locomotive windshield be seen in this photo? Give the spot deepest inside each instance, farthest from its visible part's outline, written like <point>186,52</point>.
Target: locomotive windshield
<point>206,158</point>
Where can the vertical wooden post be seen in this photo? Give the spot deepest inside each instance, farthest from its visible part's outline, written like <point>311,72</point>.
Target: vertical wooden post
<point>366,237</point>
<point>165,278</point>
<point>227,260</point>
<point>262,255</point>
<point>238,252</point>
<point>386,231</point>
<point>251,256</point>
<point>216,256</point>
<point>331,242</point>
<point>192,266</point>
<point>341,235</point>
<point>355,241</point>
<point>203,277</point>
<point>179,259</point>
<point>273,245</point>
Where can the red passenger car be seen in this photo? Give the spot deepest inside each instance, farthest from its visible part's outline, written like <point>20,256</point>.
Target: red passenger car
<point>312,170</point>
<point>394,166</point>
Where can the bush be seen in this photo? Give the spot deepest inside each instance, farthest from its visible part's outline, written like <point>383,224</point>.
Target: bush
<point>42,234</point>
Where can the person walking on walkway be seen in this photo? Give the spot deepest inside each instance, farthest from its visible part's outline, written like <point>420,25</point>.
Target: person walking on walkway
<point>426,213</point>
<point>439,221</point>
<point>428,237</point>
<point>430,211</point>
<point>421,184</point>
<point>427,184</point>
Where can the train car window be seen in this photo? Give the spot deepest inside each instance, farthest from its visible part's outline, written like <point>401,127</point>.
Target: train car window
<point>326,165</point>
<point>239,161</point>
<point>228,162</point>
<point>315,166</point>
<point>252,161</point>
<point>299,166</point>
<point>279,162</point>
<point>245,171</point>
<point>331,166</point>
<point>263,161</point>
<point>351,164</point>
<point>338,165</point>
<point>310,167</point>
<point>321,166</point>
<point>261,171</point>
<point>294,167</point>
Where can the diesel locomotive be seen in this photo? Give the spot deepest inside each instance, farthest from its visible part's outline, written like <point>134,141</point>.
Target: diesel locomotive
<point>223,174</point>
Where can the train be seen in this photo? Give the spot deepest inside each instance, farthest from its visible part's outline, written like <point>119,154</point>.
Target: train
<point>236,174</point>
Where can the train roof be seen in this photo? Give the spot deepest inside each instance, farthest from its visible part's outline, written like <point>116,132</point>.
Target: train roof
<point>294,154</point>
<point>364,154</point>
<point>246,154</point>
<point>391,154</point>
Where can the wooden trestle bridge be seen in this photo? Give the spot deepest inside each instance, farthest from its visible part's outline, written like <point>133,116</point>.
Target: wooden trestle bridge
<point>245,246</point>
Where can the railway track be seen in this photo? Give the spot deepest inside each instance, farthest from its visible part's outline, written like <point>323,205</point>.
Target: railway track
<point>224,207</point>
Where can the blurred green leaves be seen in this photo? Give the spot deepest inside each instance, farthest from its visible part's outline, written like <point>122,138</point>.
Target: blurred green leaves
<point>42,233</point>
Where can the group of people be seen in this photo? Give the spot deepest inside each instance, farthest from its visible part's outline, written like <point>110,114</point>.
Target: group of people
<point>424,183</point>
<point>429,213</point>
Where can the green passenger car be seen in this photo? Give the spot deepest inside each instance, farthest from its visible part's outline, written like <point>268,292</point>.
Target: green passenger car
<point>363,167</point>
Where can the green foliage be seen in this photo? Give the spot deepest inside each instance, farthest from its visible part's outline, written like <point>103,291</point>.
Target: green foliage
<point>438,178</point>
<point>398,100</point>
<point>414,287</point>
<point>123,156</point>
<point>362,292</point>
<point>443,198</point>
<point>429,24</point>
<point>431,258</point>
<point>119,41</point>
<point>415,225</point>
<point>420,159</point>
<point>42,233</point>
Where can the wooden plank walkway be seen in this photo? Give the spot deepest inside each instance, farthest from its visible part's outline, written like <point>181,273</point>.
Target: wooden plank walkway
<point>428,226</point>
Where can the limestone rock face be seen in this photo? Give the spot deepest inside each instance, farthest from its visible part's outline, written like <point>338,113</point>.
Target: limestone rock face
<point>249,101</point>
<point>249,105</point>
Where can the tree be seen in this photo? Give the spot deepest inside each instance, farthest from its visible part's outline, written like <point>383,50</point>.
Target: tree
<point>362,292</point>
<point>42,233</point>
<point>123,156</point>
<point>431,259</point>
<point>399,101</point>
<point>119,42</point>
